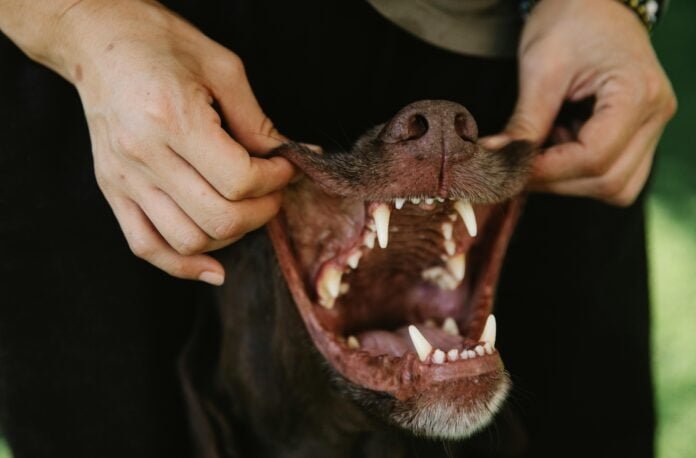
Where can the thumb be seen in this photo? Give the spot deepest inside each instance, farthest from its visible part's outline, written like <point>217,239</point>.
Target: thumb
<point>541,95</point>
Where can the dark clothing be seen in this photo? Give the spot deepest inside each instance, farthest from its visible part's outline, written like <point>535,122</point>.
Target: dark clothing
<point>90,335</point>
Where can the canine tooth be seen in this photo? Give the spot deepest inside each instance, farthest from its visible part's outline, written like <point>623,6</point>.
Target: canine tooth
<point>329,285</point>
<point>399,203</point>
<point>369,239</point>
<point>381,216</point>
<point>354,258</point>
<point>438,356</point>
<point>456,265</point>
<point>479,350</point>
<point>466,211</point>
<point>450,326</point>
<point>415,200</point>
<point>489,331</point>
<point>453,355</point>
<point>447,229</point>
<point>345,287</point>
<point>450,247</point>
<point>421,344</point>
<point>353,343</point>
<point>489,349</point>
<point>464,354</point>
<point>471,354</point>
<point>429,200</point>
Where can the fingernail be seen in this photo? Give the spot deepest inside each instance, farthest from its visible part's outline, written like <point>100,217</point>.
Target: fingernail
<point>214,278</point>
<point>316,148</point>
<point>494,141</point>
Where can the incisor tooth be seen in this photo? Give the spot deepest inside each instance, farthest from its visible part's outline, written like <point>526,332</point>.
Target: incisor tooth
<point>354,259</point>
<point>429,200</point>
<point>399,203</point>
<point>381,216</point>
<point>438,356</point>
<point>489,331</point>
<point>353,343</point>
<point>466,211</point>
<point>447,229</point>
<point>329,285</point>
<point>450,326</point>
<point>415,200</point>
<point>457,266</point>
<point>489,349</point>
<point>450,247</point>
<point>464,355</point>
<point>452,355</point>
<point>479,350</point>
<point>471,354</point>
<point>369,239</point>
<point>421,344</point>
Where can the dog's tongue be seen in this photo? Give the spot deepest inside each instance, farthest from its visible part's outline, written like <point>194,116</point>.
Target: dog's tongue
<point>398,342</point>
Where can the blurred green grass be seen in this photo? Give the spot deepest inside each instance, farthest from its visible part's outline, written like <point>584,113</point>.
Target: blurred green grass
<point>671,244</point>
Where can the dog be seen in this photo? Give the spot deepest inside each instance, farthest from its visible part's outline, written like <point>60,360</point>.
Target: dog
<point>362,317</point>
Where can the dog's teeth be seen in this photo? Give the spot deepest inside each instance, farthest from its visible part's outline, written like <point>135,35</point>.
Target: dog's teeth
<point>450,247</point>
<point>447,229</point>
<point>441,277</point>
<point>438,356</point>
<point>329,285</point>
<point>420,343</point>
<point>429,200</point>
<point>466,211</point>
<point>489,349</point>
<point>345,287</point>
<point>354,258</point>
<point>415,200</point>
<point>369,239</point>
<point>479,350</point>
<point>471,354</point>
<point>399,203</point>
<point>353,343</point>
<point>381,215</point>
<point>429,323</point>
<point>450,326</point>
<point>489,331</point>
<point>464,354</point>
<point>457,265</point>
<point>440,199</point>
<point>452,355</point>
<point>452,217</point>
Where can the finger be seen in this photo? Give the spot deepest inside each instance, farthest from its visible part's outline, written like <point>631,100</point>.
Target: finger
<point>177,228</point>
<point>240,109</point>
<point>635,186</point>
<point>218,217</point>
<point>227,166</point>
<point>147,244</point>
<point>611,186</point>
<point>614,122</point>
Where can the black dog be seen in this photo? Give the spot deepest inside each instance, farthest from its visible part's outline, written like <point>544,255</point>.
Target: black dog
<point>390,252</point>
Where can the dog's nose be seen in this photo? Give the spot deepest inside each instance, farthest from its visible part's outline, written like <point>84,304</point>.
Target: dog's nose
<point>433,125</point>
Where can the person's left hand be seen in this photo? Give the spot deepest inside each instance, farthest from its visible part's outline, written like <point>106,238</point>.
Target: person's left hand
<point>574,49</point>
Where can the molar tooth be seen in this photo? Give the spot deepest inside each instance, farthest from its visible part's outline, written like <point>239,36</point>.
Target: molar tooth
<point>415,200</point>
<point>489,331</point>
<point>450,326</point>
<point>381,216</point>
<point>489,349</point>
<point>471,354</point>
<point>479,350</point>
<point>354,258</point>
<point>438,356</point>
<point>329,286</point>
<point>421,344</point>
<point>447,229</point>
<point>441,277</point>
<point>399,203</point>
<point>353,343</point>
<point>369,239</point>
<point>450,247</point>
<point>452,355</point>
<point>466,211</point>
<point>457,265</point>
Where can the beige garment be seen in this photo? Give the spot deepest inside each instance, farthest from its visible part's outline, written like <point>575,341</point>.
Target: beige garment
<point>476,27</point>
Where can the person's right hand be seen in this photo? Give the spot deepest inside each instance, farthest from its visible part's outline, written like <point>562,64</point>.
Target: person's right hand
<point>178,184</point>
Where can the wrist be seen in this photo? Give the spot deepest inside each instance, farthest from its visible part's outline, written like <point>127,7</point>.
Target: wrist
<point>648,11</point>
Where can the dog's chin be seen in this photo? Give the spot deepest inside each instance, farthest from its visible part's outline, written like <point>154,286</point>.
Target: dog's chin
<point>430,414</point>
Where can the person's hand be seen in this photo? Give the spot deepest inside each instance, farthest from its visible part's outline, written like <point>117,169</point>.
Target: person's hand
<point>574,49</point>
<point>178,184</point>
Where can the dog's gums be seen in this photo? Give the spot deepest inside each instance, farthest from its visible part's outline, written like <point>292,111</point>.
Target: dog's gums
<point>392,251</point>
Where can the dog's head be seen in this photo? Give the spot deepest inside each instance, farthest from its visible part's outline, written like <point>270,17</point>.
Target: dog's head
<point>391,252</point>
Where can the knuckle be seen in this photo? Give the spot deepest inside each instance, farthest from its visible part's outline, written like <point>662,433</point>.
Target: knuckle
<point>597,166</point>
<point>191,243</point>
<point>608,189</point>
<point>178,268</point>
<point>226,227</point>
<point>232,66</point>
<point>672,105</point>
<point>141,248</point>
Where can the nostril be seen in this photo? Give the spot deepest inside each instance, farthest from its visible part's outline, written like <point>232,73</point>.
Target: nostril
<point>465,126</point>
<point>416,127</point>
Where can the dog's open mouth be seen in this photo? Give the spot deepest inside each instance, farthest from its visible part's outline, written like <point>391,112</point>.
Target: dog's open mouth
<point>394,270</point>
